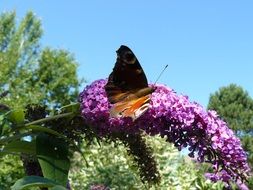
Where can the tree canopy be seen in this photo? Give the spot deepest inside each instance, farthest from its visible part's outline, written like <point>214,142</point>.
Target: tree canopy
<point>30,73</point>
<point>235,106</point>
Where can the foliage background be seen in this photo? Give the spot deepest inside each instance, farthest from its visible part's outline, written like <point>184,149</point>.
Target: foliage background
<point>32,74</point>
<point>110,164</point>
<point>29,73</point>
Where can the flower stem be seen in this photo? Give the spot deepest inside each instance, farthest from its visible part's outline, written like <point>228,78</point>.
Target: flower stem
<point>49,118</point>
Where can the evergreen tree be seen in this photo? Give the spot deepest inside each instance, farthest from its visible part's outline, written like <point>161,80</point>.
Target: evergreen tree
<point>235,106</point>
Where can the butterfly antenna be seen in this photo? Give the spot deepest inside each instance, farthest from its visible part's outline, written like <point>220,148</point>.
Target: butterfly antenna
<point>161,73</point>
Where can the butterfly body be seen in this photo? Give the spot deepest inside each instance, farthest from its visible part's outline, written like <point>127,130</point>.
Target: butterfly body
<point>127,87</point>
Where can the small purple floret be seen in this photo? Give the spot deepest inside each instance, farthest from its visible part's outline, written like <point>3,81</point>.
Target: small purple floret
<point>181,122</point>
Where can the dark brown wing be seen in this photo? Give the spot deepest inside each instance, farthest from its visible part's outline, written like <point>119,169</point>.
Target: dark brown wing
<point>127,76</point>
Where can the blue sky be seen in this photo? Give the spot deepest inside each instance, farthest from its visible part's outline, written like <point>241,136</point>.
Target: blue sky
<point>206,44</point>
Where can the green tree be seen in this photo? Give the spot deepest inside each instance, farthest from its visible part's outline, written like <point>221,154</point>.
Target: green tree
<point>56,79</point>
<point>235,106</point>
<point>29,73</point>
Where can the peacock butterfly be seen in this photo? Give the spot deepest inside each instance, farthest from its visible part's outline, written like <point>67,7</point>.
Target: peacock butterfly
<point>127,87</point>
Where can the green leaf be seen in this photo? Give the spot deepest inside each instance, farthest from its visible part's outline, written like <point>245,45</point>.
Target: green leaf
<point>20,146</point>
<point>17,116</point>
<point>36,181</point>
<point>5,129</point>
<point>37,128</point>
<point>2,124</point>
<point>1,118</point>
<point>53,158</point>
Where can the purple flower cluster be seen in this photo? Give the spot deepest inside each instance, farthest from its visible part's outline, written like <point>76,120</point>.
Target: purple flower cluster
<point>174,117</point>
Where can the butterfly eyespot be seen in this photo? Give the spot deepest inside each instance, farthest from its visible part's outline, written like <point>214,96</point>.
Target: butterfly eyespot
<point>129,58</point>
<point>138,71</point>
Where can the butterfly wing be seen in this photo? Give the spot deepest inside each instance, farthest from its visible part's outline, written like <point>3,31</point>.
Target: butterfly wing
<point>127,86</point>
<point>133,108</point>
<point>127,75</point>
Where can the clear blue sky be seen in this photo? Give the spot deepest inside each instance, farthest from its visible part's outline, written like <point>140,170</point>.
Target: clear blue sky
<point>207,44</point>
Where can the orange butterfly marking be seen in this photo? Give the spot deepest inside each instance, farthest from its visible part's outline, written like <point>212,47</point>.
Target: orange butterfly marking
<point>133,108</point>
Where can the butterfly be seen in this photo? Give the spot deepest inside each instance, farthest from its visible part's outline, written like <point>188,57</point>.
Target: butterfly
<point>127,87</point>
